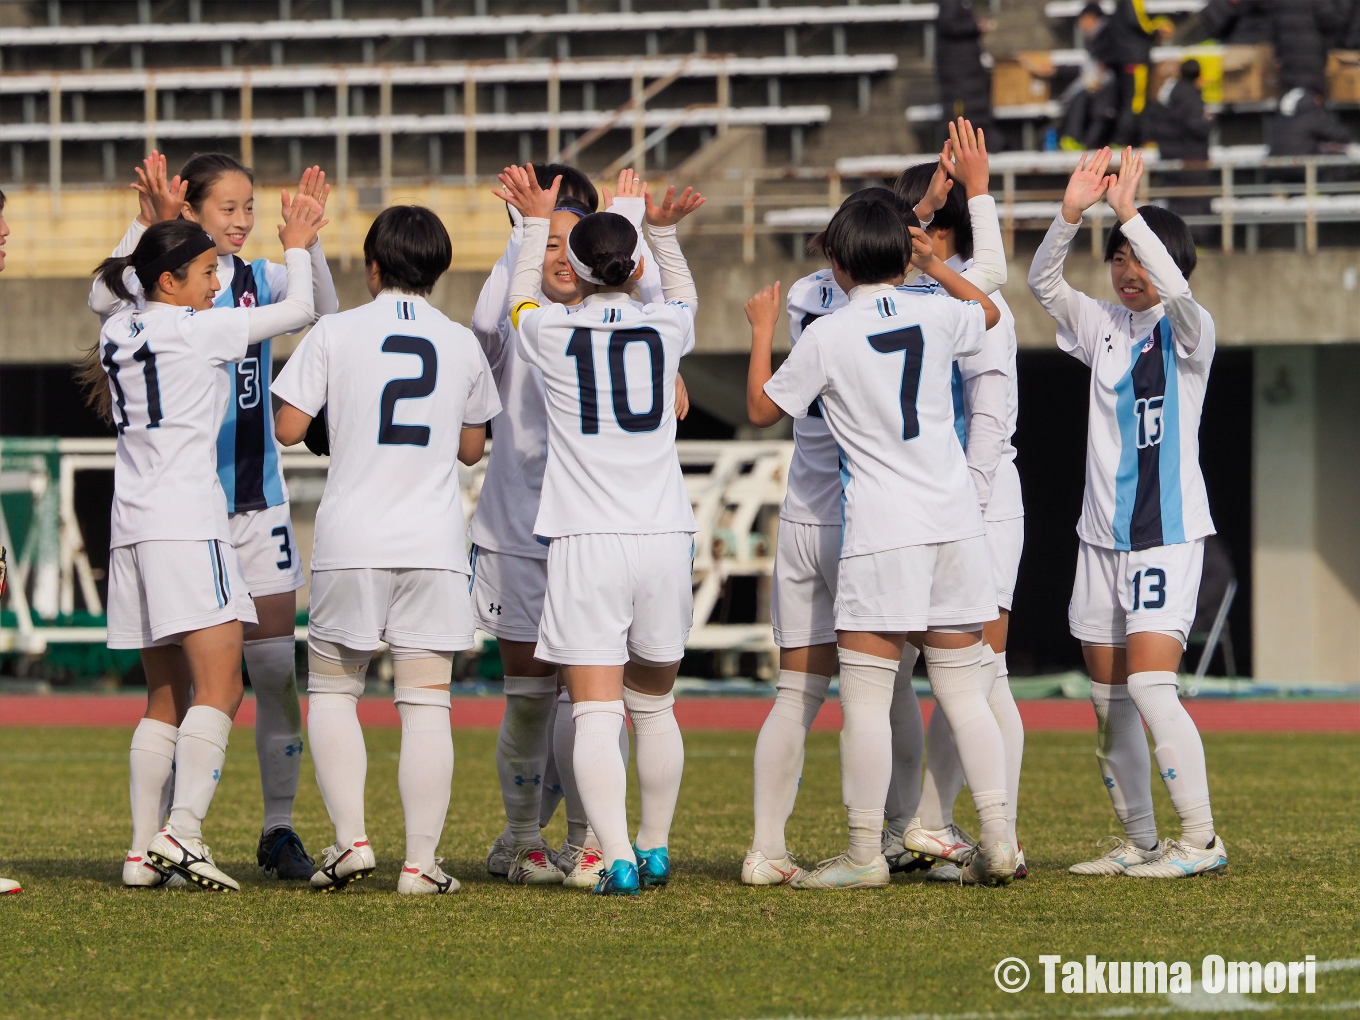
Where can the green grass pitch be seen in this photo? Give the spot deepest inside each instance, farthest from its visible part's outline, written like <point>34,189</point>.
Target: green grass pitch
<point>76,944</point>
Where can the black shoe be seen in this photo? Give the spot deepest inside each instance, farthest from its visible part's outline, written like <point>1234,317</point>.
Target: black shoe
<point>281,852</point>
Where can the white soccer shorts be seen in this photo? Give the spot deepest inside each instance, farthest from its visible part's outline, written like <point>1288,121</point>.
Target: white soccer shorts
<point>414,608</point>
<point>803,596</point>
<point>507,593</point>
<point>160,591</point>
<point>612,597</point>
<point>269,556</point>
<point>917,587</point>
<point>1006,542</point>
<point>1148,590</point>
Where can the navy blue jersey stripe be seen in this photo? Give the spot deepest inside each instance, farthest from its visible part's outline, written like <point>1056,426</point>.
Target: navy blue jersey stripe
<point>1149,392</point>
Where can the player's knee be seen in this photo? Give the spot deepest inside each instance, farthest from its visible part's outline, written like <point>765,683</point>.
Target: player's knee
<point>421,677</point>
<point>335,669</point>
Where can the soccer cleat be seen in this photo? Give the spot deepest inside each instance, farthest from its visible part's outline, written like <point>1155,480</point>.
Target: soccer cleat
<point>533,865</point>
<point>948,845</point>
<point>843,873</point>
<point>900,859</point>
<point>282,852</point>
<point>1117,860</point>
<point>1181,861</point>
<point>757,869</point>
<point>1020,870</point>
<point>341,865</point>
<point>190,858</point>
<point>945,873</point>
<point>7,885</point>
<point>583,866</point>
<point>654,866</point>
<point>989,865</point>
<point>619,879</point>
<point>140,873</point>
<point>428,882</point>
<point>500,857</point>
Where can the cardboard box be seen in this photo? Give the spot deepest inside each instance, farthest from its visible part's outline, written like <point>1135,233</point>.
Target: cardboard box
<point>1022,79</point>
<point>1248,75</point>
<point>1343,76</point>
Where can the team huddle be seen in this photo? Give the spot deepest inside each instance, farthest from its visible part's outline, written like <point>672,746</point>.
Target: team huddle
<point>900,535</point>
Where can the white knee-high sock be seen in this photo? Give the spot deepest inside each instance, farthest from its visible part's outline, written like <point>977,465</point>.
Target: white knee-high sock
<point>866,685</point>
<point>200,751</point>
<point>601,776</point>
<point>798,697</point>
<point>943,774</point>
<point>908,746</point>
<point>1012,738</point>
<point>550,794</point>
<point>339,758</point>
<point>564,743</point>
<point>961,679</point>
<point>271,664</point>
<point>425,771</point>
<point>151,780</point>
<point>1122,754</point>
<point>522,753</point>
<point>660,764</point>
<point>1179,751</point>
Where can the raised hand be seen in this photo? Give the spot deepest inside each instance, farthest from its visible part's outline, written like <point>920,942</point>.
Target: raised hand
<point>521,190</point>
<point>1088,184</point>
<point>1123,190</point>
<point>313,185</point>
<point>922,249</point>
<point>970,167</point>
<point>672,210</point>
<point>630,185</point>
<point>305,220</point>
<point>160,198</point>
<point>940,186</point>
<point>762,311</point>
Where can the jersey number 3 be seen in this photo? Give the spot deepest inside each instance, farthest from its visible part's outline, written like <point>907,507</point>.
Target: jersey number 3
<point>910,342</point>
<point>581,348</point>
<point>392,433</point>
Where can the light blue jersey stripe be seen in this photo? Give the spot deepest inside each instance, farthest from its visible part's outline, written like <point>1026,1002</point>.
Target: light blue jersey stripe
<point>1169,451</point>
<point>226,441</point>
<point>960,416</point>
<point>1126,477</point>
<point>273,476</point>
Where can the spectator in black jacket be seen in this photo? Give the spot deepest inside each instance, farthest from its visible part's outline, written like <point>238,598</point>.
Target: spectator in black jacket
<point>1177,121</point>
<point>1303,31</point>
<point>1305,127</point>
<point>965,85</point>
<point>1238,22</point>
<point>1124,45</point>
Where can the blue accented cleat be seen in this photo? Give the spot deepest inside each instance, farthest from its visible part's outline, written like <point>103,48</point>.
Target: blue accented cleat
<point>654,866</point>
<point>619,879</point>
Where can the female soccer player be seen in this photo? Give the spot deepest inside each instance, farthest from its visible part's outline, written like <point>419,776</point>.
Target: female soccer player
<point>408,394</point>
<point>215,191</point>
<point>1145,513</point>
<point>176,590</point>
<point>619,600</point>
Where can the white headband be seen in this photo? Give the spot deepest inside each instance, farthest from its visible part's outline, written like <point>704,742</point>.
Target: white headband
<point>584,272</point>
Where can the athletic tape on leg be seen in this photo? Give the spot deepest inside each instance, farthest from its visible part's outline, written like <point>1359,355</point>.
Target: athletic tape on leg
<point>335,669</point>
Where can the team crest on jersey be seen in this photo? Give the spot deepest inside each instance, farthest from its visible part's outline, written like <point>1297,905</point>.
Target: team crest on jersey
<point>247,300</point>
<point>1148,345</point>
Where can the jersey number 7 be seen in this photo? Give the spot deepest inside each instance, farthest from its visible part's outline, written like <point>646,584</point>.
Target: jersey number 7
<point>910,342</point>
<point>581,348</point>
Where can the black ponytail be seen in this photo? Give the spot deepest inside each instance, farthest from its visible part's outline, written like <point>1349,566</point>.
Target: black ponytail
<point>604,243</point>
<point>204,170</point>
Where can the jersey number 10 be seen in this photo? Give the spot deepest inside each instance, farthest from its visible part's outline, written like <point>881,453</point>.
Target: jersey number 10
<point>581,348</point>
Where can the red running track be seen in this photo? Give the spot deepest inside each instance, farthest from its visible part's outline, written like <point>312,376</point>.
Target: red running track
<point>717,713</point>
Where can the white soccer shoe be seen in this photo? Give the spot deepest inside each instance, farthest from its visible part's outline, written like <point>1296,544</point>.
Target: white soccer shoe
<point>428,882</point>
<point>500,857</point>
<point>583,866</point>
<point>843,873</point>
<point>948,845</point>
<point>140,873</point>
<point>533,865</point>
<point>900,859</point>
<point>1118,859</point>
<point>8,887</point>
<point>757,869</point>
<point>1181,861</point>
<point>190,858</point>
<point>989,865</point>
<point>341,865</point>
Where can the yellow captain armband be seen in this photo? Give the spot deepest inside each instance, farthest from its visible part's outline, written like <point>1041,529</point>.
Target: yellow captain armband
<point>520,309</point>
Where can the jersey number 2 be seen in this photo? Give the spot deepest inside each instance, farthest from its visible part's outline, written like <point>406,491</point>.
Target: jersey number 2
<point>392,433</point>
<point>581,348</point>
<point>912,343</point>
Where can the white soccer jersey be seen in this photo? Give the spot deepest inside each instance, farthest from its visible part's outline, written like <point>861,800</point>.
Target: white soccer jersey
<point>814,490</point>
<point>882,366</point>
<point>399,382</point>
<point>610,370</point>
<point>508,504</point>
<point>1149,373</point>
